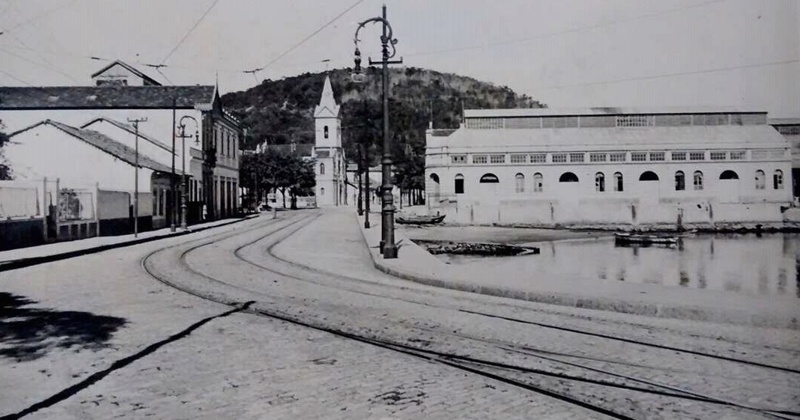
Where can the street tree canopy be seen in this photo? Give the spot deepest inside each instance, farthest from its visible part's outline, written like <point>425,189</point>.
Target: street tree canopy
<point>270,170</point>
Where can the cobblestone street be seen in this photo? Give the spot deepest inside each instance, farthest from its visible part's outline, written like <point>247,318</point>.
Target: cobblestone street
<point>100,337</point>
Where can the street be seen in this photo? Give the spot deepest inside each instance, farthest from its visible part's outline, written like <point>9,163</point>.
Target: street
<point>287,318</point>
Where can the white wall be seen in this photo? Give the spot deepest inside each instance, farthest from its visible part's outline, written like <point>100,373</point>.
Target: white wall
<point>46,151</point>
<point>640,202</point>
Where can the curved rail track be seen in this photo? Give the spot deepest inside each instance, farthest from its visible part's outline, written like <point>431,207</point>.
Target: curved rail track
<point>572,377</point>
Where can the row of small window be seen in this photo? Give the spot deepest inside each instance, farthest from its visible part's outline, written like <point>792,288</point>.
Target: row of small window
<point>225,142</point>
<point>598,157</point>
<point>618,184</point>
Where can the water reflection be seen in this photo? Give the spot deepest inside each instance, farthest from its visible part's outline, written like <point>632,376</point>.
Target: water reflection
<point>737,263</point>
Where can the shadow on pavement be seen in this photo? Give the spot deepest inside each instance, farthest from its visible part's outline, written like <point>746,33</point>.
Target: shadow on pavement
<point>28,333</point>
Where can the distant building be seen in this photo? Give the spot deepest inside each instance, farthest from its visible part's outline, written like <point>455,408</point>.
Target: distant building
<point>790,130</point>
<point>602,166</point>
<point>122,92</point>
<point>122,74</point>
<point>331,170</point>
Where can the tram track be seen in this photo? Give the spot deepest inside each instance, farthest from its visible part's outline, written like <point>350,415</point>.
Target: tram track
<point>476,366</point>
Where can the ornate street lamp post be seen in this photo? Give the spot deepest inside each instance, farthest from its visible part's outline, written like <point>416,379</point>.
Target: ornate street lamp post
<point>387,245</point>
<point>183,162</point>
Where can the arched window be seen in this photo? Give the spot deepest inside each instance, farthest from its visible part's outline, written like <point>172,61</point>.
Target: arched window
<point>698,180</point>
<point>568,177</point>
<point>680,181</point>
<point>599,182</point>
<point>435,178</point>
<point>322,191</point>
<point>760,180</point>
<point>322,169</point>
<point>489,179</point>
<point>728,175</point>
<point>777,180</point>
<point>459,184</point>
<point>618,186</point>
<point>648,176</point>
<point>538,184</point>
<point>325,130</point>
<point>519,183</point>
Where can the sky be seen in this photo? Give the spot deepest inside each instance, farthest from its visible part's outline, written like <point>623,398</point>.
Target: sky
<point>565,53</point>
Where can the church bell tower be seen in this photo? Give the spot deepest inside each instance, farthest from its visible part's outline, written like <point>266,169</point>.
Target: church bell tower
<point>330,167</point>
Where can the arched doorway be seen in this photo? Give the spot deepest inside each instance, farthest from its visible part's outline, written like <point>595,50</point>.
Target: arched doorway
<point>729,187</point>
<point>435,187</point>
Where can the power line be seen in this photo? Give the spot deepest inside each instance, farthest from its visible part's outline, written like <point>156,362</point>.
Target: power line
<point>214,3</point>
<point>663,75</point>
<point>566,31</point>
<point>45,60</point>
<point>40,15</point>
<point>303,41</point>
<point>51,68</point>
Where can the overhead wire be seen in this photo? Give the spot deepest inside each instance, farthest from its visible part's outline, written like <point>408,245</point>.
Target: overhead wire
<point>675,74</point>
<point>590,27</point>
<point>304,40</point>
<point>189,32</point>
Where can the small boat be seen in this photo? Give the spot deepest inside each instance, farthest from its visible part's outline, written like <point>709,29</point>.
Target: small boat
<point>419,219</point>
<point>645,239</point>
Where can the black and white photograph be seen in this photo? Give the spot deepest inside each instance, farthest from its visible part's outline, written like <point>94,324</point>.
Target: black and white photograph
<point>400,209</point>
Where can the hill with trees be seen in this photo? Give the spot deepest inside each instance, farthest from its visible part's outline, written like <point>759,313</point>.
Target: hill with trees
<point>281,111</point>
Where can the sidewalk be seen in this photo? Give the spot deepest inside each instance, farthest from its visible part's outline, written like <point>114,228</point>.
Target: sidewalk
<point>25,257</point>
<point>313,247</point>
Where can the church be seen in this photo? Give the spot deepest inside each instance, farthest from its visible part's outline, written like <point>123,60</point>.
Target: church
<point>599,167</point>
<point>331,166</point>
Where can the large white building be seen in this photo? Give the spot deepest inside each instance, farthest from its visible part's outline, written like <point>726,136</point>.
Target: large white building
<point>609,166</point>
<point>331,169</point>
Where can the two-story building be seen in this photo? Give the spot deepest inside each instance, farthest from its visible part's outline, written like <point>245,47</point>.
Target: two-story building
<point>119,94</point>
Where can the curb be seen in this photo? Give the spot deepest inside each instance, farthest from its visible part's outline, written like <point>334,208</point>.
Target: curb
<point>31,261</point>
<point>681,312</point>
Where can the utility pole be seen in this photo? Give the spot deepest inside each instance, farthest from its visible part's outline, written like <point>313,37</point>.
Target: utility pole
<point>136,122</point>
<point>172,210</point>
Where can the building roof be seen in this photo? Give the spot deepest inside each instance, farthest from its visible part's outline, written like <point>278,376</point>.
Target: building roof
<point>104,143</point>
<point>327,103</point>
<point>550,112</point>
<point>105,97</point>
<point>783,121</point>
<point>127,67</point>
<point>646,138</point>
<point>129,129</point>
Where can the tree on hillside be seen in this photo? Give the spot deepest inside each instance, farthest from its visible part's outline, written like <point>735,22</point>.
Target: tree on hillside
<point>281,111</point>
<point>5,171</point>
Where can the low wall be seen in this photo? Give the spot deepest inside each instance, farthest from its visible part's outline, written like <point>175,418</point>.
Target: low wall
<point>21,233</point>
<point>610,212</point>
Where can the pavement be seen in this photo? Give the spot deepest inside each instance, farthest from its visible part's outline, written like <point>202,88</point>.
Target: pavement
<point>24,257</point>
<point>416,264</point>
<point>97,337</point>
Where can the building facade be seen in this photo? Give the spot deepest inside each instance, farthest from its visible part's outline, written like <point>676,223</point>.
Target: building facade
<point>789,128</point>
<point>121,93</point>
<point>331,169</point>
<point>609,166</point>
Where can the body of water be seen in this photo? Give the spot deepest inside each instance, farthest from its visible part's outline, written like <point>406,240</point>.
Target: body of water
<point>765,265</point>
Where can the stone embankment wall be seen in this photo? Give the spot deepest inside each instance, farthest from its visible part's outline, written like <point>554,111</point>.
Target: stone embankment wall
<point>621,214</point>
